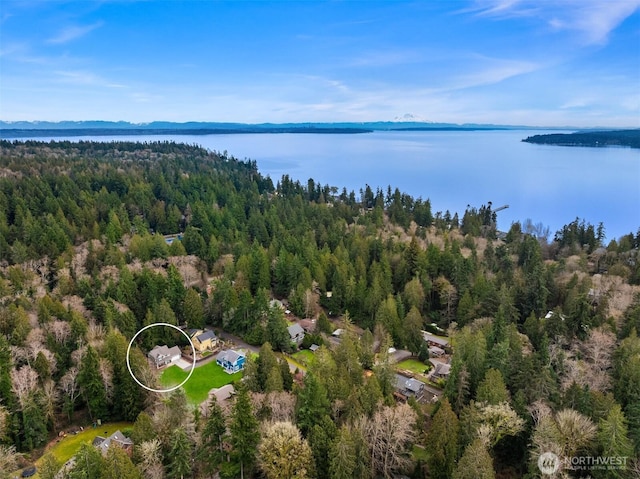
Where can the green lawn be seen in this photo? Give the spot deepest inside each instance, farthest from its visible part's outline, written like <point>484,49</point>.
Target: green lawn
<point>413,365</point>
<point>203,379</point>
<point>304,357</point>
<point>66,447</point>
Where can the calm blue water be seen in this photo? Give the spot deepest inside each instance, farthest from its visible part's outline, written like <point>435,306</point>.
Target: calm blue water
<point>548,184</point>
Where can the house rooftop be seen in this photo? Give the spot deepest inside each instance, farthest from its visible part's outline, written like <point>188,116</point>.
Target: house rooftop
<point>404,383</point>
<point>436,350</point>
<point>223,393</point>
<point>164,351</point>
<point>206,335</point>
<point>442,369</point>
<point>104,443</point>
<point>295,330</point>
<point>229,355</point>
<point>435,339</point>
<point>414,385</point>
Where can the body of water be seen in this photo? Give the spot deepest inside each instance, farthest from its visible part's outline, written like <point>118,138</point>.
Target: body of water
<point>548,184</point>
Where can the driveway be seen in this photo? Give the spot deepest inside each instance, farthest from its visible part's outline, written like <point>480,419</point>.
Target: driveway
<point>183,364</point>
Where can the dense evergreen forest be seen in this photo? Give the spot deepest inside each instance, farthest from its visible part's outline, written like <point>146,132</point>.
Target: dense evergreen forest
<point>629,138</point>
<point>543,330</point>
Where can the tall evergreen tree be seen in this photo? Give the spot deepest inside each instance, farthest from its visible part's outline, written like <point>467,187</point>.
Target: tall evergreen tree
<point>130,396</point>
<point>180,455</point>
<point>442,442</point>
<point>118,465</point>
<point>193,309</point>
<point>244,435</point>
<point>614,442</point>
<point>475,463</point>
<point>312,404</point>
<point>211,451</point>
<point>91,385</point>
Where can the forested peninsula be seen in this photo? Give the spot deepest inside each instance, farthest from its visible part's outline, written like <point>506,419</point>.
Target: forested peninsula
<point>626,138</point>
<point>372,334</point>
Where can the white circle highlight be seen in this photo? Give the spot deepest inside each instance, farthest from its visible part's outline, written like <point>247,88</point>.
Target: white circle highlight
<point>193,366</point>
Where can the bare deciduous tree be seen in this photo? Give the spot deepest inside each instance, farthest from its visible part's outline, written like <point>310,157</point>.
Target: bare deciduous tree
<point>106,372</point>
<point>4,416</point>
<point>76,356</point>
<point>151,459</point>
<point>60,330</point>
<point>539,410</point>
<point>8,458</point>
<point>69,385</point>
<point>281,405</point>
<point>50,401</point>
<point>389,435</point>
<point>563,434</point>
<point>23,381</point>
<point>589,361</point>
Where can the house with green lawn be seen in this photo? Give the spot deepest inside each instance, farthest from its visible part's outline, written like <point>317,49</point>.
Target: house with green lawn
<point>231,361</point>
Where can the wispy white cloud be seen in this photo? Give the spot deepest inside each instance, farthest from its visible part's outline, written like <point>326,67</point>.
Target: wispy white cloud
<point>592,20</point>
<point>492,71</point>
<point>78,77</point>
<point>576,103</point>
<point>73,33</point>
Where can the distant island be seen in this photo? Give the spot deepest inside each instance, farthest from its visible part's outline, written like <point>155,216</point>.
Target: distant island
<point>627,138</point>
<point>35,129</point>
<point>65,132</point>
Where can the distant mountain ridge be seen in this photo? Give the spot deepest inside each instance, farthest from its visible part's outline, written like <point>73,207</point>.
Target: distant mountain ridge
<point>407,121</point>
<point>31,129</point>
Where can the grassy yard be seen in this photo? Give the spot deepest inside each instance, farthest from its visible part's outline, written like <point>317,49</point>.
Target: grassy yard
<point>203,379</point>
<point>66,447</point>
<point>413,365</point>
<point>304,357</point>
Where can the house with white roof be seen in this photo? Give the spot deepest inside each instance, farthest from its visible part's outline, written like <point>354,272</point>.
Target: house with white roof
<point>163,355</point>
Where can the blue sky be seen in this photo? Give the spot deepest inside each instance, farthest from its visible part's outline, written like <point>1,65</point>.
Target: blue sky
<point>542,62</point>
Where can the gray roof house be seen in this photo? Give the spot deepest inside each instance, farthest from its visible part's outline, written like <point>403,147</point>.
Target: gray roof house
<point>163,355</point>
<point>442,370</point>
<point>231,361</point>
<point>409,386</point>
<point>103,444</point>
<point>436,351</point>
<point>434,340</point>
<point>206,335</point>
<point>296,333</point>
